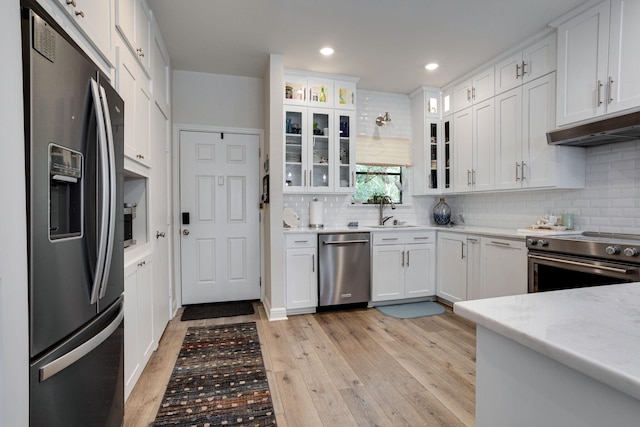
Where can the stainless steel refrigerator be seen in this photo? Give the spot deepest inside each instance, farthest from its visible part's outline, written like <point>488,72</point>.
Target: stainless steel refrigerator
<point>74,128</point>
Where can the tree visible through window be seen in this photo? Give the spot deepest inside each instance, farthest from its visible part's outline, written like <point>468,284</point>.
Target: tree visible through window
<point>377,181</point>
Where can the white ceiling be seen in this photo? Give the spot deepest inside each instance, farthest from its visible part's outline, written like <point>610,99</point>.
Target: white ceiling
<point>384,42</point>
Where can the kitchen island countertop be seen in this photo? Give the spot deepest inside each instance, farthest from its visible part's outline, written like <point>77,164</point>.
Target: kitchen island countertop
<point>595,330</point>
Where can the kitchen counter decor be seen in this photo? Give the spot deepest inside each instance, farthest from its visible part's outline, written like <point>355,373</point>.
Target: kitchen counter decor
<point>441,213</point>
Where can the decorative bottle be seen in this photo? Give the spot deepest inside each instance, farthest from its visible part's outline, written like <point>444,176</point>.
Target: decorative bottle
<point>442,213</point>
<point>323,96</point>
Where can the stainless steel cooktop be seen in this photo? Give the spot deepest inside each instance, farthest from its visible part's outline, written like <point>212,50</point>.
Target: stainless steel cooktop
<point>609,246</point>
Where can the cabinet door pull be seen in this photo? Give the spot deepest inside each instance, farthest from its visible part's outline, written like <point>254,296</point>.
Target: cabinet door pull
<point>517,171</point>
<point>305,178</point>
<point>353,178</point>
<point>522,173</point>
<point>301,241</point>
<point>469,239</point>
<point>461,250</point>
<point>408,258</point>
<point>389,238</point>
<point>493,242</point>
<point>610,91</point>
<point>81,13</point>
<point>523,71</point>
<point>517,71</point>
<point>473,93</point>
<point>598,99</point>
<point>468,94</point>
<point>473,176</point>
<point>421,238</point>
<point>310,178</point>
<point>313,263</point>
<point>403,258</point>
<point>468,177</point>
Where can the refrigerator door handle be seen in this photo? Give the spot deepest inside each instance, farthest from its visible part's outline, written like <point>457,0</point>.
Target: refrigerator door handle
<point>62,362</point>
<point>112,191</point>
<point>102,155</point>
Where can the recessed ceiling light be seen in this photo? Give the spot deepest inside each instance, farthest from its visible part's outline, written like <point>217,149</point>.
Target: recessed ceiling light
<point>326,51</point>
<point>431,66</point>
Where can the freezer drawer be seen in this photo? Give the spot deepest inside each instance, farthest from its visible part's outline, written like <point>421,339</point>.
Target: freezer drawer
<point>344,268</point>
<point>78,384</point>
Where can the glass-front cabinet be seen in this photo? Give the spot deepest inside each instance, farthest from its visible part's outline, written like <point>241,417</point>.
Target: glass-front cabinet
<point>346,159</point>
<point>322,158</point>
<point>295,148</point>
<point>309,150</point>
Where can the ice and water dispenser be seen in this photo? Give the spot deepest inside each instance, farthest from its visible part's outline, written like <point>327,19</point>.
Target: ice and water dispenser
<point>65,193</point>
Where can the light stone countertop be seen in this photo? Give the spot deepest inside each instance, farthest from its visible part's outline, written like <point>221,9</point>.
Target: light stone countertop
<point>510,233</point>
<point>594,330</point>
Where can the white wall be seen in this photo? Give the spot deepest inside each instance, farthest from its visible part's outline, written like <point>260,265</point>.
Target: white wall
<point>217,100</point>
<point>14,346</point>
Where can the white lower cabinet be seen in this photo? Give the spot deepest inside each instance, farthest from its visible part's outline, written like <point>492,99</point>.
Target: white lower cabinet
<point>473,267</point>
<point>503,269</point>
<point>301,273</point>
<point>403,265</point>
<point>458,258</point>
<point>138,325</point>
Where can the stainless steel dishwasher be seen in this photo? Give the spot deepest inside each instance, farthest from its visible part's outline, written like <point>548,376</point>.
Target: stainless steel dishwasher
<point>344,273</point>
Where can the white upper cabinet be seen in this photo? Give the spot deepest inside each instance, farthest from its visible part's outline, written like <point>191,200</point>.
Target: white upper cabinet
<point>598,62</point>
<point>95,19</point>
<point>624,60</point>
<point>528,64</point>
<point>474,148</point>
<point>161,75</point>
<point>133,21</point>
<point>476,89</point>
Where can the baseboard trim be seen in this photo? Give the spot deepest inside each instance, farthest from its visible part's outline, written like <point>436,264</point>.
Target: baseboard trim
<point>274,313</point>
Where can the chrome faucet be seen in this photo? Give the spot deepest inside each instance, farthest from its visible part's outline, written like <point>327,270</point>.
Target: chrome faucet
<point>384,200</point>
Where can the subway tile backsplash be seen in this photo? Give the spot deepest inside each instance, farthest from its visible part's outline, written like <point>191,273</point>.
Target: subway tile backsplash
<point>609,203</point>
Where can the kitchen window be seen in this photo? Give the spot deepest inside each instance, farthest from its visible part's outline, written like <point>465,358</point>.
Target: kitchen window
<point>373,181</point>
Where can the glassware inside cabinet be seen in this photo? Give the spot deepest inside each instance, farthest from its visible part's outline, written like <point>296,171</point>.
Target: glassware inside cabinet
<point>293,149</point>
<point>321,150</point>
<point>447,153</point>
<point>433,155</point>
<point>295,90</point>
<point>344,154</point>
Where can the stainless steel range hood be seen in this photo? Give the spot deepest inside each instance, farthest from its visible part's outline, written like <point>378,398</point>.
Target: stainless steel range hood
<point>613,129</point>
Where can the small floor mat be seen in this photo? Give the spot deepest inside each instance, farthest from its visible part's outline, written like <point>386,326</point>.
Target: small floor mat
<point>412,310</point>
<point>217,309</point>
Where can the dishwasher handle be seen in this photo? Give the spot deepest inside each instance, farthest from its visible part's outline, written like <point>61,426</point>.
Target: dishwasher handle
<point>344,242</point>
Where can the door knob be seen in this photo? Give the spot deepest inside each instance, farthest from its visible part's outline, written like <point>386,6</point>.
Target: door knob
<point>185,232</point>
<point>159,234</point>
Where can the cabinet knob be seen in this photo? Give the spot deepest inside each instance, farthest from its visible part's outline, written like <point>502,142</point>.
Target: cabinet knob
<point>72,3</point>
<point>80,13</point>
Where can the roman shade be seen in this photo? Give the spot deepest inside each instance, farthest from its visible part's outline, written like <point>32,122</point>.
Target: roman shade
<point>377,150</point>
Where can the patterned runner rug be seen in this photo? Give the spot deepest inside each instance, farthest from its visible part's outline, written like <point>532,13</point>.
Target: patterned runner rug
<point>218,379</point>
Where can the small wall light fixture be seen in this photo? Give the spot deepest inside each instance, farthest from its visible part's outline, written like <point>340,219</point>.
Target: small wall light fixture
<point>383,120</point>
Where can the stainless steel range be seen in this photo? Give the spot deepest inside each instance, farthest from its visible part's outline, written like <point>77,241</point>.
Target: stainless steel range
<point>587,259</point>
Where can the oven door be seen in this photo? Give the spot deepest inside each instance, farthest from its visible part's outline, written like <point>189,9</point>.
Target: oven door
<point>549,272</point>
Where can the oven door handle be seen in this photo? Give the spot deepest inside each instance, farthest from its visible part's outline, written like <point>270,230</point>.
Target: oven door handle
<point>582,264</point>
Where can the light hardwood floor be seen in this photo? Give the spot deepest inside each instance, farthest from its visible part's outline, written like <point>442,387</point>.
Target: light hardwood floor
<point>344,368</point>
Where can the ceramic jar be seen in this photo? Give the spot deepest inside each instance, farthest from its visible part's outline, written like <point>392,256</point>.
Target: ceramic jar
<point>441,213</point>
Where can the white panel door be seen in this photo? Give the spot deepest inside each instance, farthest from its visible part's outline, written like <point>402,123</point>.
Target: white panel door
<point>387,279</point>
<point>508,139</point>
<point>219,193</point>
<point>484,157</point>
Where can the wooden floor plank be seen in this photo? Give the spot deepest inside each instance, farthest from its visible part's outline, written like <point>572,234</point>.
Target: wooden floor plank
<point>347,368</point>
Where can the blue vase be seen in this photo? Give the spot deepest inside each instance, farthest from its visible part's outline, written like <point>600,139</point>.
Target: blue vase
<point>442,213</point>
